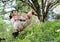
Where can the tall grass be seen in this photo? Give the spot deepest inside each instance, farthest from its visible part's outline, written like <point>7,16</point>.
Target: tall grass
<point>44,32</point>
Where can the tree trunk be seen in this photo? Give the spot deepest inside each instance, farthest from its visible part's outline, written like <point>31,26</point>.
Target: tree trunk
<point>37,8</point>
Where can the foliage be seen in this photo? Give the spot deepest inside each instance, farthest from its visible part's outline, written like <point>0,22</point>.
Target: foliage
<point>42,8</point>
<point>21,7</point>
<point>2,25</point>
<point>44,32</point>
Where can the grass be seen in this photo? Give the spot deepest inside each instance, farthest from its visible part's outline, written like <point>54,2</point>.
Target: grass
<point>44,32</point>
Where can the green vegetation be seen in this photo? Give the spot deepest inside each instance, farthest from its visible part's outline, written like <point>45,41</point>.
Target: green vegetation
<point>44,32</point>
<point>36,32</point>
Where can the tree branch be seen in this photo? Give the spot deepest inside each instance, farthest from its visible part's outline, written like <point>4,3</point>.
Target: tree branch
<point>54,6</point>
<point>54,3</point>
<point>28,2</point>
<point>37,8</point>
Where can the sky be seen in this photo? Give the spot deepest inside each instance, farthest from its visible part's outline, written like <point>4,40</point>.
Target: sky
<point>57,10</point>
<point>9,6</point>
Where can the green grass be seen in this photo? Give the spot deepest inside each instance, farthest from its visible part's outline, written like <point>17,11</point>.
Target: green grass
<point>44,32</point>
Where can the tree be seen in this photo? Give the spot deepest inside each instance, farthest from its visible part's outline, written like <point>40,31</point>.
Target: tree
<point>43,8</point>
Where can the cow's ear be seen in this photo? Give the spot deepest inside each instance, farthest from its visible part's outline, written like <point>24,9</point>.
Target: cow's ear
<point>32,12</point>
<point>10,16</point>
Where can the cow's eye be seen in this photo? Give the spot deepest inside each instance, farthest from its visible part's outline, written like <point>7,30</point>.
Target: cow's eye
<point>22,20</point>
